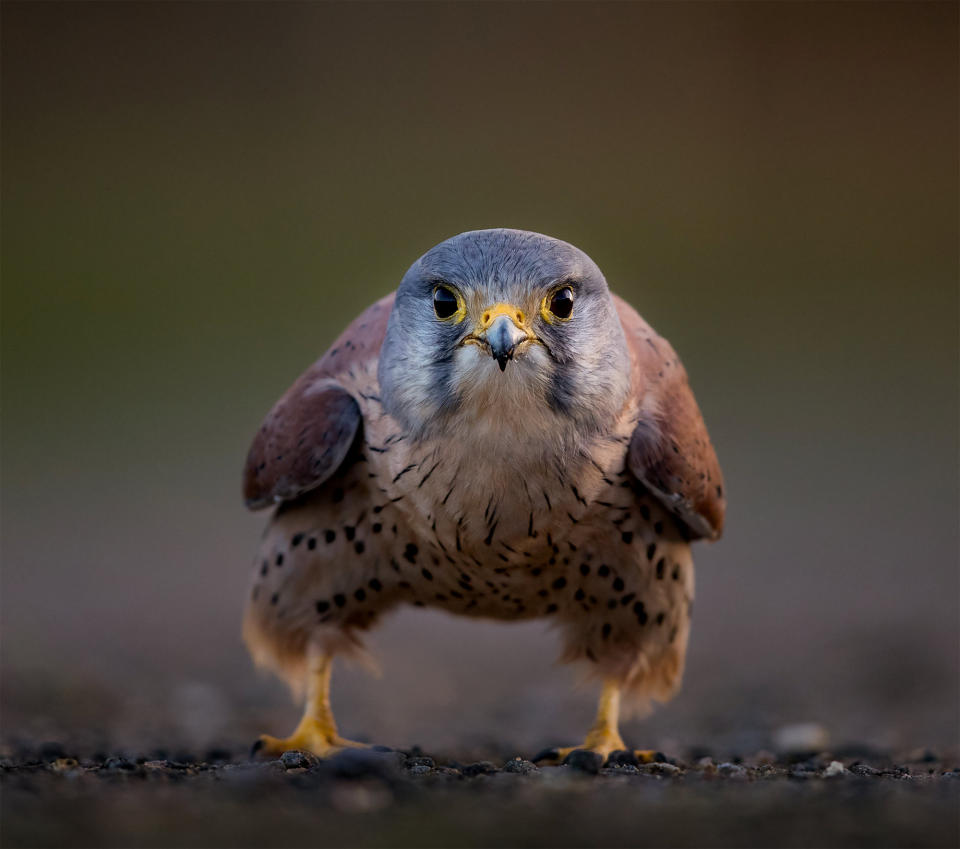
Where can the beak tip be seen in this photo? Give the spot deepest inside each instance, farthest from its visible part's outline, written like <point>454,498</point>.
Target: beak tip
<point>502,362</point>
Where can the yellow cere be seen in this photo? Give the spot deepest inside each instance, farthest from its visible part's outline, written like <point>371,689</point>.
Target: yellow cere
<point>514,313</point>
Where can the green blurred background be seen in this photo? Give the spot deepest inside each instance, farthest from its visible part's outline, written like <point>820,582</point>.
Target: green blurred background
<point>197,197</point>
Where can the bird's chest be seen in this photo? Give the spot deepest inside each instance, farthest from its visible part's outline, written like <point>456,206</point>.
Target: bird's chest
<point>502,509</point>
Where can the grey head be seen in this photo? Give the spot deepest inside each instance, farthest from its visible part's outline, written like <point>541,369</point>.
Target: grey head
<point>507,330</point>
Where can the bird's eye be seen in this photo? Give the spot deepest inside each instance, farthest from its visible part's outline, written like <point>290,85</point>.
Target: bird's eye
<point>444,302</point>
<point>561,302</point>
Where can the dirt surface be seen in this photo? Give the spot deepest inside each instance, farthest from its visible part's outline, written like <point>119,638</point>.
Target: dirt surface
<point>54,796</point>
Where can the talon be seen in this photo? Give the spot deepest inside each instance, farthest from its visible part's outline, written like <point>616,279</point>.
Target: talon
<point>649,756</point>
<point>547,755</point>
<point>623,757</point>
<point>256,747</point>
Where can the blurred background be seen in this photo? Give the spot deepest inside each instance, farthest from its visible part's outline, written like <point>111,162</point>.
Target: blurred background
<point>197,197</point>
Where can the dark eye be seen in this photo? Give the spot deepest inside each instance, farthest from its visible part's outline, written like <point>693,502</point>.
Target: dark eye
<point>444,302</point>
<point>561,302</point>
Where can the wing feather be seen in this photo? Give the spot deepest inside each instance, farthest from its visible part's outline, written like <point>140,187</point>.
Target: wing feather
<point>310,430</point>
<point>670,451</point>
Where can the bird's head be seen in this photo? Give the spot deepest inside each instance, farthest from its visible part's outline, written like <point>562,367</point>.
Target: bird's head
<point>506,327</point>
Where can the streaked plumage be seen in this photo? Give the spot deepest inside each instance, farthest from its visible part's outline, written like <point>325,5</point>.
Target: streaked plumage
<point>563,477</point>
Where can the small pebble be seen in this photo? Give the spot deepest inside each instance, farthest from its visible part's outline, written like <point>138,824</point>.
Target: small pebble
<point>834,769</point>
<point>620,769</point>
<point>520,766</point>
<point>297,760</point>
<point>657,768</point>
<point>419,769</point>
<point>864,770</point>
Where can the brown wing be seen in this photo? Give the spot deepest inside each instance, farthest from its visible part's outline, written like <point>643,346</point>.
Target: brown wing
<point>670,451</point>
<point>307,434</point>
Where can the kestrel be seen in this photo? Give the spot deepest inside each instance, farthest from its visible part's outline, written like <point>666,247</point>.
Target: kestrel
<point>502,437</point>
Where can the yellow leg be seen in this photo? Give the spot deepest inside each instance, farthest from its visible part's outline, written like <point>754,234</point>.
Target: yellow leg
<point>317,731</point>
<point>604,735</point>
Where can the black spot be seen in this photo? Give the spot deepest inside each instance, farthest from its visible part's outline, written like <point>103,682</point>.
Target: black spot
<point>440,597</point>
<point>375,585</point>
<point>618,584</point>
<point>536,571</point>
<point>584,569</point>
<point>296,540</point>
<point>551,608</point>
<point>627,537</point>
<point>627,599</point>
<point>673,633</point>
<point>280,559</point>
<point>339,599</point>
<point>323,606</point>
<point>641,612</point>
<point>274,598</point>
<point>611,603</point>
<point>410,552</point>
<point>560,583</point>
<point>676,573</point>
<point>311,543</point>
<point>603,571</point>
<point>329,536</point>
<point>358,546</point>
<point>579,595</point>
<point>376,527</point>
<point>349,532</point>
<point>542,593</point>
<point>264,567</point>
<point>426,573</point>
<point>605,631</point>
<point>466,585</point>
<point>661,563</point>
<point>651,550</point>
<point>360,594</point>
<point>658,528</point>
<point>660,618</point>
<point>645,512</point>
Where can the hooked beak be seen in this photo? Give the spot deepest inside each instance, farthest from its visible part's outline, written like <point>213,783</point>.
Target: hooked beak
<point>503,329</point>
<point>503,336</point>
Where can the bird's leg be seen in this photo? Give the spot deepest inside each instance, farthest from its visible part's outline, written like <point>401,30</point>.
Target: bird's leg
<point>604,735</point>
<point>317,731</point>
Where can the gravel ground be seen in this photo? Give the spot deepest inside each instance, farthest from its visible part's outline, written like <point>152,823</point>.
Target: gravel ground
<point>53,796</point>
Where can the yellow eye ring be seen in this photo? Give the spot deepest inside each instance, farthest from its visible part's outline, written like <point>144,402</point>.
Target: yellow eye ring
<point>556,303</point>
<point>448,304</point>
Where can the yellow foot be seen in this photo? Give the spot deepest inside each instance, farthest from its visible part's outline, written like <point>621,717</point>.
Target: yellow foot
<point>307,738</point>
<point>609,753</point>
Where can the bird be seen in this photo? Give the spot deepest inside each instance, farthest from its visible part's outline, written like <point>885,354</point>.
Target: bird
<point>501,437</point>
